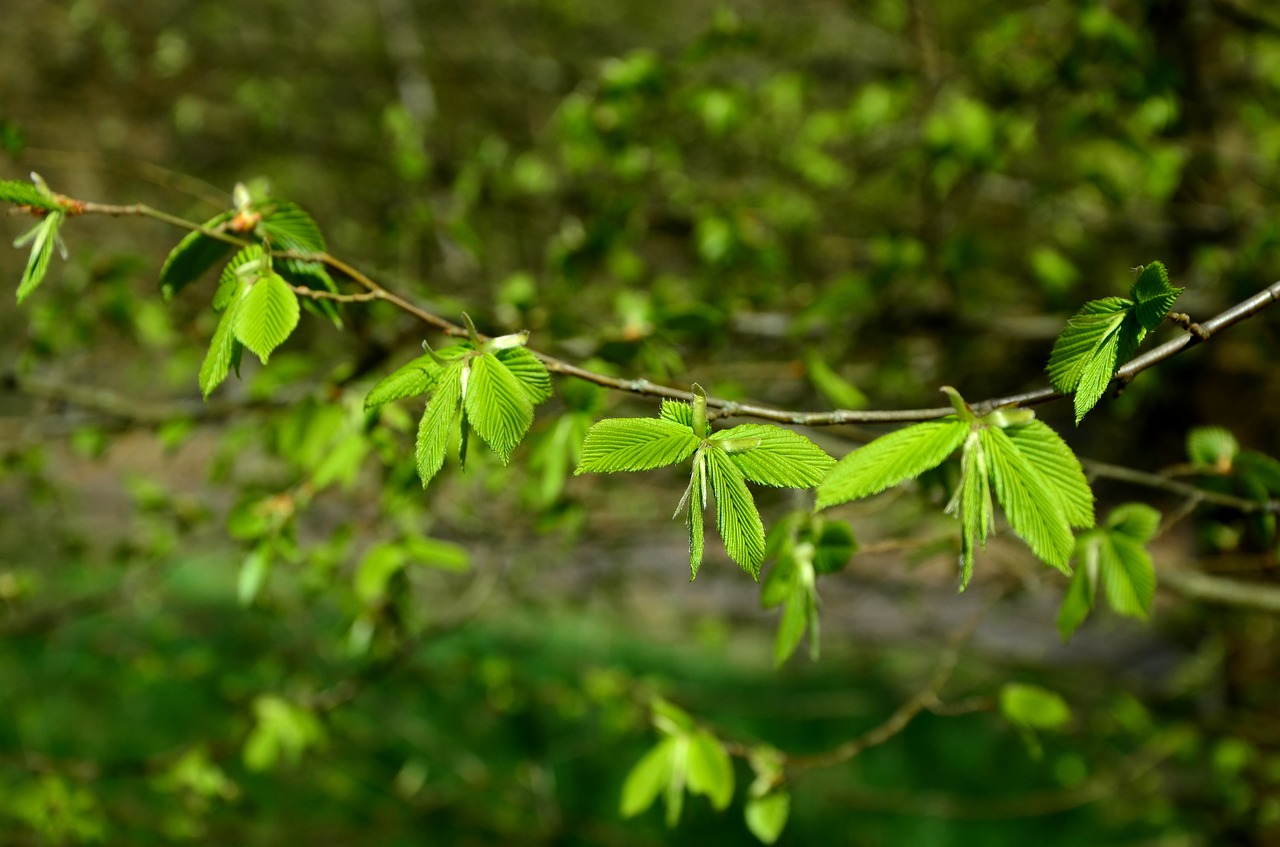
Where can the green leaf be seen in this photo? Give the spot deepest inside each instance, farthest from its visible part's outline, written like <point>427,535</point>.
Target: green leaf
<point>1137,521</point>
<point>194,255</point>
<point>253,574</point>
<point>781,458</point>
<point>244,267</point>
<point>792,625</point>
<point>1128,575</point>
<point>840,392</point>
<point>1154,296</point>
<point>44,237</point>
<point>677,412</point>
<point>531,373</point>
<point>290,228</point>
<point>1029,504</point>
<point>1098,373</point>
<point>1261,468</point>
<point>635,444</point>
<point>710,771</point>
<point>890,459</point>
<point>1054,461</point>
<point>1213,446</point>
<point>437,422</point>
<point>1080,341</point>
<point>1033,707</point>
<point>415,377</point>
<point>972,504</point>
<point>221,349</point>
<point>266,313</point>
<point>497,405</point>
<point>1077,602</point>
<point>776,587</point>
<point>647,779</point>
<point>697,534</point>
<point>767,816</point>
<point>737,519</point>
<point>375,570</point>
<point>26,194</point>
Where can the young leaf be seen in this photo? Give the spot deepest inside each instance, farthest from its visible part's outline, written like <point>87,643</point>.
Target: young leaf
<point>635,444</point>
<point>1213,446</point>
<point>1029,504</point>
<point>26,194</point>
<point>781,457</point>
<point>834,547</point>
<point>890,459</point>
<point>972,504</point>
<point>697,534</point>
<point>1154,296</point>
<point>1128,576</point>
<point>497,405</point>
<point>221,349</point>
<point>531,373</point>
<point>1053,460</point>
<point>290,228</point>
<point>193,255</point>
<point>647,779</point>
<point>415,377</point>
<point>266,314</point>
<point>437,422</point>
<point>710,771</point>
<point>1079,342</point>
<point>677,412</point>
<point>1078,601</point>
<point>767,816</point>
<point>791,627</point>
<point>1033,707</point>
<point>737,519</point>
<point>44,237</point>
<point>1137,521</point>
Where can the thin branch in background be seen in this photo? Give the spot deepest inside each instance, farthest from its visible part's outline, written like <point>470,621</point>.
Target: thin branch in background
<point>1181,489</point>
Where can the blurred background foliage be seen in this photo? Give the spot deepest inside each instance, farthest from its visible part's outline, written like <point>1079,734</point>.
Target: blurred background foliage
<point>244,622</point>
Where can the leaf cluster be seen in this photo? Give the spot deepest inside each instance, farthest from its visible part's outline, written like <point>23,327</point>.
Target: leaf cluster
<point>1105,334</point>
<point>1224,464</point>
<point>1031,471</point>
<point>1115,555</point>
<point>802,546</point>
<point>687,757</point>
<point>723,463</point>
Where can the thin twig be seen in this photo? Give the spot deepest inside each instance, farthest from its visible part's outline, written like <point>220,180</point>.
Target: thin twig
<point>1182,489</point>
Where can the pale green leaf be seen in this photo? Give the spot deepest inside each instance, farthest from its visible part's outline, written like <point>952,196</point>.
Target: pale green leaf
<point>647,779</point>
<point>244,267</point>
<point>1033,707</point>
<point>435,553</point>
<point>437,422</point>
<point>266,313</point>
<point>1128,576</point>
<point>1078,601</point>
<point>766,816</point>
<point>635,444</point>
<point>840,392</point>
<point>710,771</point>
<point>1213,446</point>
<point>677,412</point>
<point>1054,461</point>
<point>697,534</point>
<point>782,458</point>
<point>375,570</point>
<point>221,350</point>
<point>290,228</point>
<point>497,405</point>
<point>193,255</point>
<point>1154,295</point>
<point>737,519</point>
<point>253,574</point>
<point>776,587</point>
<point>1079,342</point>
<point>531,373</point>
<point>44,240</point>
<point>890,459</point>
<point>972,504</point>
<point>415,377</point>
<point>1034,513</point>
<point>792,624</point>
<point>26,194</point>
<point>1097,373</point>
<point>1138,521</point>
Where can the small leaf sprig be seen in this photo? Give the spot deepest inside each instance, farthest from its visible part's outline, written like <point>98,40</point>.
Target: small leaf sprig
<point>723,463</point>
<point>490,386</point>
<point>1105,334</point>
<point>1034,475</point>
<point>1115,555</point>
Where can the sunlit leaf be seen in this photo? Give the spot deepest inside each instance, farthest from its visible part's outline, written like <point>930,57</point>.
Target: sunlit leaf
<point>437,422</point>
<point>26,194</point>
<point>780,458</point>
<point>1054,461</point>
<point>1154,296</point>
<point>43,238</point>
<point>1212,446</point>
<point>1033,707</point>
<point>710,771</point>
<point>635,444</point>
<point>648,778</point>
<point>497,405</point>
<point>766,816</point>
<point>737,519</point>
<point>891,459</point>
<point>415,377</point>
<point>265,315</point>
<point>194,254</point>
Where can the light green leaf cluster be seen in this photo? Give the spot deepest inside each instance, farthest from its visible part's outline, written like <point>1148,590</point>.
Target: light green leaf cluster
<point>802,545</point>
<point>768,802</point>
<point>25,194</point>
<point>282,731</point>
<point>1029,469</point>
<point>1114,554</point>
<point>1253,475</point>
<point>723,463</point>
<point>259,311</point>
<point>43,238</point>
<point>687,757</point>
<point>472,386</point>
<point>1105,334</point>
